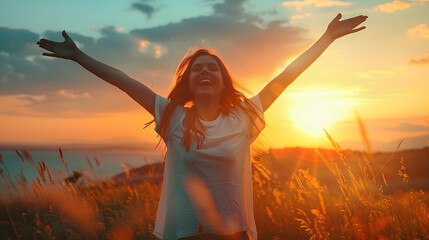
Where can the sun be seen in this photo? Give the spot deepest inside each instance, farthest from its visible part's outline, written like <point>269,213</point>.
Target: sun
<point>313,115</point>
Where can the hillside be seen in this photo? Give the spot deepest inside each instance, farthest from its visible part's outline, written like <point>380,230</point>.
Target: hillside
<point>283,162</point>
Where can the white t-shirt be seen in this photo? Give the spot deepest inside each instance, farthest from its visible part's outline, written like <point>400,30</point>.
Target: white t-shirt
<point>223,163</point>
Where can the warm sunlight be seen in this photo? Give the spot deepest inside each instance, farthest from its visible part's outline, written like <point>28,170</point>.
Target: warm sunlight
<point>312,115</point>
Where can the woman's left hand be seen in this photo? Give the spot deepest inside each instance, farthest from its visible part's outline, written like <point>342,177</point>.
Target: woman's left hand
<point>337,28</point>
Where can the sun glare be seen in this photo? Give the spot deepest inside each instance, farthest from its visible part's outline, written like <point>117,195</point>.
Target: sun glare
<point>312,116</point>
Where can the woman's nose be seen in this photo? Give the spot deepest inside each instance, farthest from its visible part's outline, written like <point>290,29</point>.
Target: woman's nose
<point>205,69</point>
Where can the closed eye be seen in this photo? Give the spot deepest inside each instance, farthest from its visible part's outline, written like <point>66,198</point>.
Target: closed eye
<point>197,67</point>
<point>211,67</point>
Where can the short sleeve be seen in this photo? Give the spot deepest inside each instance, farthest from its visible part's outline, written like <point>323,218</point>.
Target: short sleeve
<point>259,120</point>
<point>160,105</point>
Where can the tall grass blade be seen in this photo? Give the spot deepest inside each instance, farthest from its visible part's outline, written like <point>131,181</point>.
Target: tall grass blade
<point>90,166</point>
<point>390,158</point>
<point>22,158</point>
<point>64,161</point>
<point>364,135</point>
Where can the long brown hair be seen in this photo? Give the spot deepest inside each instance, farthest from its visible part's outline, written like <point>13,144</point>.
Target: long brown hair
<point>181,95</point>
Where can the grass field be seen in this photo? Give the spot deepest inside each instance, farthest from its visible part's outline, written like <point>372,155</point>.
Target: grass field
<point>354,201</point>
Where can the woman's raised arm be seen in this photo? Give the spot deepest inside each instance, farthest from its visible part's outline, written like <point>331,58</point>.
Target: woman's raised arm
<point>135,89</point>
<point>336,29</point>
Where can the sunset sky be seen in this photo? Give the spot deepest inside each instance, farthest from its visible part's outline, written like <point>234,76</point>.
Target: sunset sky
<point>380,73</point>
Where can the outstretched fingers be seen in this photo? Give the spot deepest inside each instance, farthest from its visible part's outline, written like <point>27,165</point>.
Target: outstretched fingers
<point>357,29</point>
<point>65,35</point>
<point>46,46</point>
<point>338,17</point>
<point>49,54</point>
<point>47,41</point>
<point>65,49</point>
<point>355,21</point>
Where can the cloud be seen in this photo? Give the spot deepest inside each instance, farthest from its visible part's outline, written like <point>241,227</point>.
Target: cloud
<point>294,18</point>
<point>421,30</point>
<point>422,60</point>
<point>145,8</point>
<point>241,44</point>
<point>70,94</point>
<point>67,87</point>
<point>392,6</point>
<point>235,9</point>
<point>318,3</point>
<point>374,74</point>
<point>410,127</point>
<point>230,8</point>
<point>17,42</point>
<point>149,55</point>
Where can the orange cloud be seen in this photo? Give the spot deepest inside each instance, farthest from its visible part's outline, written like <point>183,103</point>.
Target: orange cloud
<point>392,6</point>
<point>421,30</point>
<point>422,60</point>
<point>318,3</point>
<point>70,94</point>
<point>294,18</point>
<point>374,74</point>
<point>143,44</point>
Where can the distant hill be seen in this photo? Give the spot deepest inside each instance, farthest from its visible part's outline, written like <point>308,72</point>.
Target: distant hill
<point>134,144</point>
<point>283,162</point>
<point>408,143</point>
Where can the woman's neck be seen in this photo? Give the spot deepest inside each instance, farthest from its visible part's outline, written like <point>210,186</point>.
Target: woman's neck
<point>207,108</point>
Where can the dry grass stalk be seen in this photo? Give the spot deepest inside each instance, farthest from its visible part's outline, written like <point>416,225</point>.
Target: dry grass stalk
<point>325,161</point>
<point>90,166</point>
<point>401,171</point>
<point>364,135</point>
<point>305,223</point>
<point>49,174</point>
<point>127,172</point>
<point>384,179</point>
<point>22,158</point>
<point>97,161</point>
<point>64,161</point>
<point>390,158</point>
<point>27,155</point>
<point>370,169</point>
<point>270,214</point>
<point>298,180</point>
<point>41,168</point>
<point>261,169</point>
<point>335,145</point>
<point>38,181</point>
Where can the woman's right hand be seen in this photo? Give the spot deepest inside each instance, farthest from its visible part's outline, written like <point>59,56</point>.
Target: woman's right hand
<point>66,49</point>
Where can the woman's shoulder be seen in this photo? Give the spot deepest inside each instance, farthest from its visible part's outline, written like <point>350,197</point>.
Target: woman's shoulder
<point>252,102</point>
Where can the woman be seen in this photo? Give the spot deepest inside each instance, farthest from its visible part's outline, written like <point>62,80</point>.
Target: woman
<point>208,127</point>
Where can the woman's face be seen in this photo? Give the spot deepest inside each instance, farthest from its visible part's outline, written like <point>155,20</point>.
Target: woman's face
<point>205,79</point>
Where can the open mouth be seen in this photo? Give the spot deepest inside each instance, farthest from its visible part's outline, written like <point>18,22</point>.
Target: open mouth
<point>205,82</point>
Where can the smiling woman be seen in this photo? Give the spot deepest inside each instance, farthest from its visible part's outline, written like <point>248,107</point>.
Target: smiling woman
<point>208,127</point>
